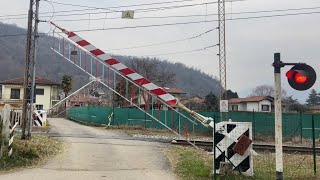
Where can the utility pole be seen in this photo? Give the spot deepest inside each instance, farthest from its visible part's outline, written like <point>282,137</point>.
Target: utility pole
<point>222,53</point>
<point>29,74</point>
<point>35,43</point>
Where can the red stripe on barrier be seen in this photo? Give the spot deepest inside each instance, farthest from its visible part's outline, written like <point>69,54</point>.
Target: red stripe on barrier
<point>172,102</point>
<point>83,43</point>
<point>71,34</point>
<point>159,91</point>
<point>127,71</point>
<point>111,61</point>
<point>142,81</point>
<point>97,52</point>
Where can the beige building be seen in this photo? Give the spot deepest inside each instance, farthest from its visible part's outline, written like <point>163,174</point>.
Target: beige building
<point>12,93</point>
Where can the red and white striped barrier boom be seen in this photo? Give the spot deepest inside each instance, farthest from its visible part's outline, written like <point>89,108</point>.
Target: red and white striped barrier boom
<point>129,73</point>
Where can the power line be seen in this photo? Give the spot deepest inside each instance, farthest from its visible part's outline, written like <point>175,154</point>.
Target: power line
<point>89,8</point>
<point>274,15</point>
<point>113,11</point>
<point>180,52</point>
<point>153,17</point>
<point>123,6</point>
<point>167,42</point>
<point>143,26</point>
<point>196,22</point>
<point>144,17</point>
<point>142,10</point>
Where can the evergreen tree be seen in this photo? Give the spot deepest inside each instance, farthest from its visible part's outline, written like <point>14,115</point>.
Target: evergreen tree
<point>314,98</point>
<point>66,84</point>
<point>212,103</point>
<point>231,94</point>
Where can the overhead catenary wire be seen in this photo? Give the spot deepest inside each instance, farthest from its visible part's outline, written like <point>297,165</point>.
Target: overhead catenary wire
<point>180,52</point>
<point>163,43</point>
<point>142,10</point>
<point>194,22</point>
<point>8,17</point>
<point>123,6</point>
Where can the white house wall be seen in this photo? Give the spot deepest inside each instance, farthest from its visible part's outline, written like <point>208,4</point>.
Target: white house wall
<point>253,106</point>
<point>265,102</point>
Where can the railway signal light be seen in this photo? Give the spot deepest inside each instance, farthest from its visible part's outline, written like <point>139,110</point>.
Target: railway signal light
<point>301,77</point>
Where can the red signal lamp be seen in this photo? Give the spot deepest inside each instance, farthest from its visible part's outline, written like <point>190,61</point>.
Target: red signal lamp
<point>301,77</point>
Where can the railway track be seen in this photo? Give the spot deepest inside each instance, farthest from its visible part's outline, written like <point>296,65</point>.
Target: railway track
<point>258,147</point>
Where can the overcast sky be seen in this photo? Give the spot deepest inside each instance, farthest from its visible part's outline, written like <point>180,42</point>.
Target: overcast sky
<point>250,43</point>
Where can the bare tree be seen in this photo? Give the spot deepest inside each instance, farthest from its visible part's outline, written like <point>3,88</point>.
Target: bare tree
<point>151,69</point>
<point>265,90</point>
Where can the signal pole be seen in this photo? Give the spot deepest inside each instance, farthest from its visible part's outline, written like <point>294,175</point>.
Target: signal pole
<point>278,116</point>
<point>29,74</point>
<point>300,77</point>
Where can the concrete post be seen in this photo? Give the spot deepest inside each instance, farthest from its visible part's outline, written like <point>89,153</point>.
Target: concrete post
<point>278,118</point>
<point>5,130</point>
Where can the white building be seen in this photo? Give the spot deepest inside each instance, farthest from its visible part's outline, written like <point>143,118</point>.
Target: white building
<point>255,103</point>
<point>12,93</point>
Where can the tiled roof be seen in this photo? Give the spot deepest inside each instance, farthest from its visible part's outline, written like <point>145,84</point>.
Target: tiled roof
<point>39,80</point>
<point>174,90</point>
<point>250,99</point>
<point>316,107</point>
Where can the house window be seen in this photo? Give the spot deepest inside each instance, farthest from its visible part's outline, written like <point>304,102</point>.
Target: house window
<point>15,94</point>
<point>39,107</point>
<point>39,91</point>
<point>265,108</point>
<point>234,107</point>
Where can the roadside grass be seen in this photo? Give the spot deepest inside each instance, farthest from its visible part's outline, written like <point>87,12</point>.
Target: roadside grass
<point>191,164</point>
<point>30,153</point>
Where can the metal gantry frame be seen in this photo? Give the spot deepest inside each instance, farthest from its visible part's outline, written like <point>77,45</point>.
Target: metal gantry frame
<point>222,53</point>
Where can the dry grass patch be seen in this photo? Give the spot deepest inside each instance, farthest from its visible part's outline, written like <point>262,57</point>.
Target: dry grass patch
<point>31,153</point>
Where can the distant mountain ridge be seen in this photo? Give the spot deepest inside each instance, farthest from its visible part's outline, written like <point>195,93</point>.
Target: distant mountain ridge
<point>51,66</point>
